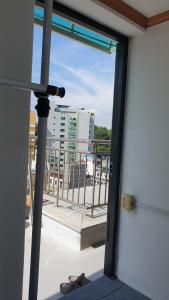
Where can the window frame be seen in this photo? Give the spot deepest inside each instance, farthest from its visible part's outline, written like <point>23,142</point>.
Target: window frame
<point>117,126</point>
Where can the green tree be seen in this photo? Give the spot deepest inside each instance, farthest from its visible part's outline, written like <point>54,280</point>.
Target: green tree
<point>102,133</point>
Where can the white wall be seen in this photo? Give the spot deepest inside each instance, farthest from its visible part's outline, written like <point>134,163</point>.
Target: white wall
<point>83,129</point>
<point>104,15</point>
<point>15,62</point>
<point>143,259</point>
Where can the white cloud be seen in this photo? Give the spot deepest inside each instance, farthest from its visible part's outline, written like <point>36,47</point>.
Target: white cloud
<point>88,83</point>
<point>88,89</point>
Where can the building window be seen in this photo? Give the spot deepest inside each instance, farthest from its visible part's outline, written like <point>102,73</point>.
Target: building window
<point>53,129</point>
<point>54,123</point>
<point>62,118</point>
<point>62,136</point>
<point>62,124</point>
<point>62,130</point>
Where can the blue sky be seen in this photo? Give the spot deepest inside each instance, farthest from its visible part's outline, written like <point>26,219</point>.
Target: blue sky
<point>86,73</point>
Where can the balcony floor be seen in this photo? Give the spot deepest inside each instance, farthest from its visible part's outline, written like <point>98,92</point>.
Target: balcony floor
<point>74,216</point>
<point>59,258</point>
<point>107,289</point>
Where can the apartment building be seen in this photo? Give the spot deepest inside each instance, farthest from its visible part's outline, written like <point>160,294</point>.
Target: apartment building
<point>32,130</point>
<point>65,123</point>
<point>32,123</point>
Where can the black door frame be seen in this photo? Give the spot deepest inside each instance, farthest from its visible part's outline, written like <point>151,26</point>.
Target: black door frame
<point>117,126</point>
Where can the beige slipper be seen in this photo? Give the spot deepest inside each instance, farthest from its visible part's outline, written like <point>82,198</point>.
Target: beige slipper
<point>81,280</point>
<point>66,288</point>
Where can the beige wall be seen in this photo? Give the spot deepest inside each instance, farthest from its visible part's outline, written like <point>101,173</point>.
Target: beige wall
<point>32,123</point>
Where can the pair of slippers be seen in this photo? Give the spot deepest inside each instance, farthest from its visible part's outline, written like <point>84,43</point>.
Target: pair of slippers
<point>74,283</point>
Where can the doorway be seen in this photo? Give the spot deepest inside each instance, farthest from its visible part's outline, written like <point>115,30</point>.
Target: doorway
<point>80,177</point>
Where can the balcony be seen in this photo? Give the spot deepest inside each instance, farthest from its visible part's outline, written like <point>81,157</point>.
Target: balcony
<point>76,186</point>
<point>75,202</point>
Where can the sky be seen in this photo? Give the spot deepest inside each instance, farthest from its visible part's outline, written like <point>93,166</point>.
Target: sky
<point>86,73</point>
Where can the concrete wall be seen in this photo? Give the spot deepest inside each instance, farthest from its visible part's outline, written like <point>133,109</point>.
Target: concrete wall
<point>15,62</point>
<point>143,259</point>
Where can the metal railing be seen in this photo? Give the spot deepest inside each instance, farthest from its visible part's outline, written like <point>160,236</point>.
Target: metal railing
<point>77,172</point>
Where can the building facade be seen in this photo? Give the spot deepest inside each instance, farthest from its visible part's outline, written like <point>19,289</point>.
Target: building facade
<point>65,124</point>
<point>32,132</point>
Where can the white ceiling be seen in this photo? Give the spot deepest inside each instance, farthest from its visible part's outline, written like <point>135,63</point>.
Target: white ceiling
<point>103,15</point>
<point>149,7</point>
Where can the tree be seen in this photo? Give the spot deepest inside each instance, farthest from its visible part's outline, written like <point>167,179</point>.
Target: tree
<point>102,133</point>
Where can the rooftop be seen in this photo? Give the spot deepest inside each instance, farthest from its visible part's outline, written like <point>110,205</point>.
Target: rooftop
<point>59,259</point>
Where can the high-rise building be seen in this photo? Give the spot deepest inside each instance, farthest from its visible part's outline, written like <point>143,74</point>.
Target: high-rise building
<point>32,123</point>
<point>32,130</point>
<point>65,123</point>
